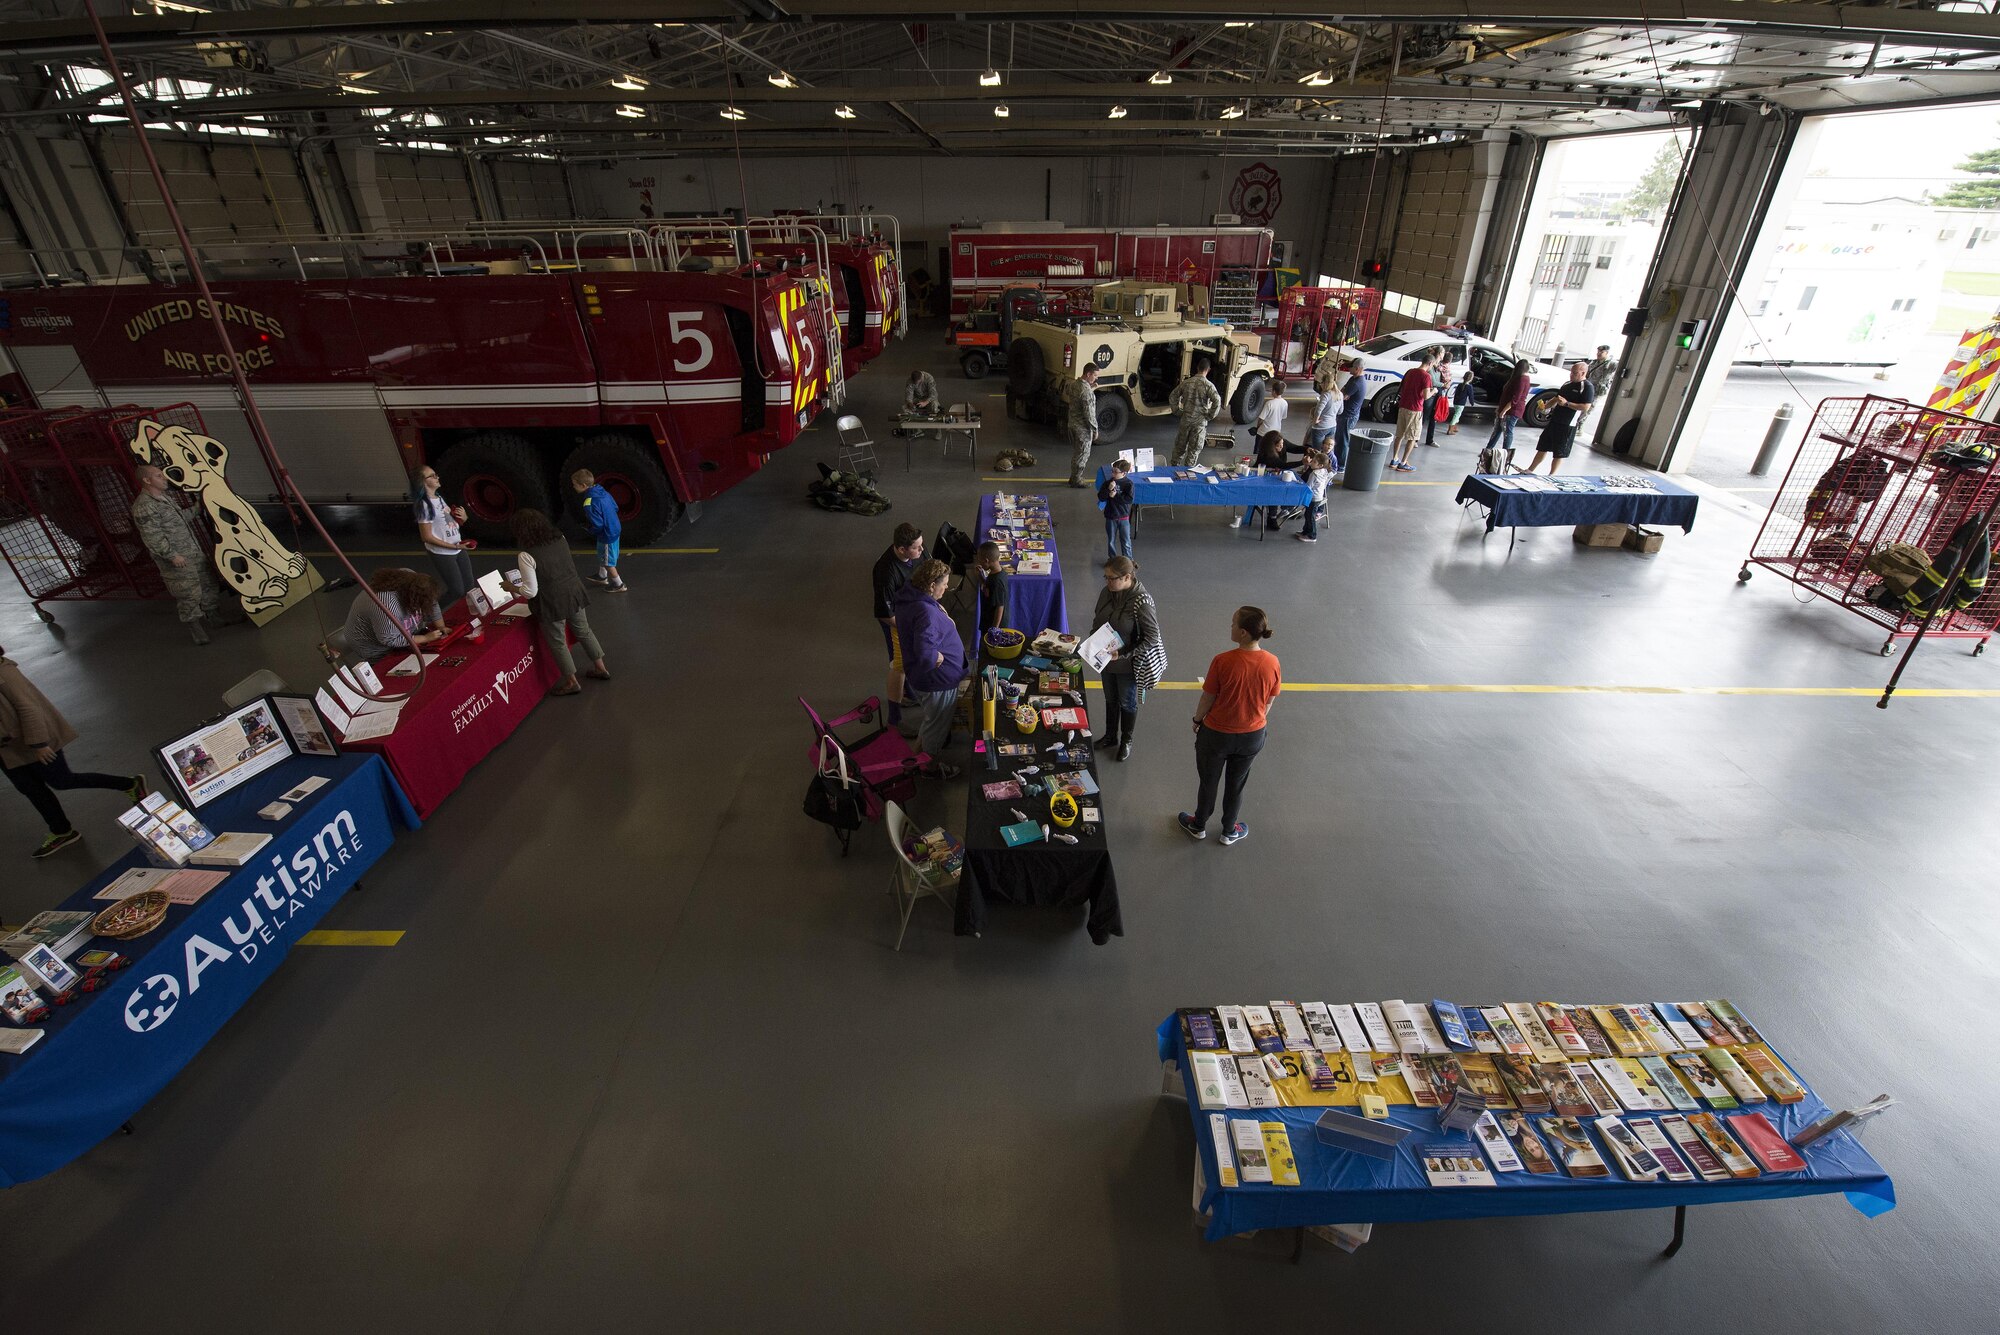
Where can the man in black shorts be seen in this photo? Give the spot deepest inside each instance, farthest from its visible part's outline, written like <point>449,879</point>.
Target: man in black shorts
<point>1578,394</point>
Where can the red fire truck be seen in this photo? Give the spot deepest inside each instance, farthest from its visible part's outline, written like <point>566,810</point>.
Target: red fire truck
<point>1230,261</point>
<point>863,266</point>
<point>503,369</point>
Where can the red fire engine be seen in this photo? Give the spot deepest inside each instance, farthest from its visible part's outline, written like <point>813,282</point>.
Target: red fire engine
<point>1230,261</point>
<point>478,354</point>
<point>863,266</point>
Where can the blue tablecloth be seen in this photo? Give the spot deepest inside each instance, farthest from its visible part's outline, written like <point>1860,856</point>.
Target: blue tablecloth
<point>1266,490</point>
<point>1034,602</point>
<point>107,1053</point>
<point>1339,1186</point>
<point>1668,506</point>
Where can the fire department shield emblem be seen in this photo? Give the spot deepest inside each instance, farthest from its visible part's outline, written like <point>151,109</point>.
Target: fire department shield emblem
<point>1257,193</point>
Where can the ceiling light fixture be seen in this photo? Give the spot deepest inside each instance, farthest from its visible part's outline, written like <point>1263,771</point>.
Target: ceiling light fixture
<point>844,111</point>
<point>1117,113</point>
<point>630,111</point>
<point>734,113</point>
<point>1160,77</point>
<point>357,89</point>
<point>1232,113</point>
<point>1239,23</point>
<point>1317,79</point>
<point>630,83</point>
<point>1000,110</point>
<point>990,79</point>
<point>781,80</point>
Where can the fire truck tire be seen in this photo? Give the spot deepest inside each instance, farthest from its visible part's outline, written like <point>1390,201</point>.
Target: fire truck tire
<point>647,506</point>
<point>1026,369</point>
<point>975,365</point>
<point>1539,407</point>
<point>493,474</point>
<point>1249,399</point>
<point>1114,414</point>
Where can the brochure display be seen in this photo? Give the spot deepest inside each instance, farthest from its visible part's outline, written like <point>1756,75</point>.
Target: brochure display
<point>1553,1136</point>
<point>108,1051</point>
<point>1026,534</point>
<point>473,697</point>
<point>218,757</point>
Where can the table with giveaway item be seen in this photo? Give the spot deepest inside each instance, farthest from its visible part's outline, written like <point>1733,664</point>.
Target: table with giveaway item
<point>1027,538</point>
<point>1183,486</point>
<point>1563,1109</point>
<point>1034,827</point>
<point>107,1052</point>
<point>1529,500</point>
<point>481,687</point>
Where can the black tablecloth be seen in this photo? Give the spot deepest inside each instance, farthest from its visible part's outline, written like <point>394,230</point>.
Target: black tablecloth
<point>1048,873</point>
<point>1668,505</point>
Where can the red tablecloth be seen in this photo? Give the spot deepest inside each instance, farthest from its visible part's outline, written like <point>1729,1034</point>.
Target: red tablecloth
<point>462,713</point>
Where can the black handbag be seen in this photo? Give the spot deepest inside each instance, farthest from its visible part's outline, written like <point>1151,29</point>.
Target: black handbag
<point>833,797</point>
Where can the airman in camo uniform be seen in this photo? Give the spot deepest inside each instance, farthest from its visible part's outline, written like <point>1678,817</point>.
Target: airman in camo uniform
<point>165,529</point>
<point>1197,403</point>
<point>1082,423</point>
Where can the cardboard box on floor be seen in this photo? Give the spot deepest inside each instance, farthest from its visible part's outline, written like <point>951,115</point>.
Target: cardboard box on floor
<point>1599,535</point>
<point>1642,539</point>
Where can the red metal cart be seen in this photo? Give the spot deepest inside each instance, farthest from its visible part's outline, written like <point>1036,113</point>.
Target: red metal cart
<point>66,492</point>
<point>1871,472</point>
<point>1314,320</point>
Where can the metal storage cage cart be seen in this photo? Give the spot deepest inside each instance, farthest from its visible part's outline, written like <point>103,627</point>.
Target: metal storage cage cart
<point>1871,472</point>
<point>66,492</point>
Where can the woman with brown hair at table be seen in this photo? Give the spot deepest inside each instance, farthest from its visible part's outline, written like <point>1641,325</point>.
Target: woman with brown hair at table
<point>545,573</point>
<point>413,619</point>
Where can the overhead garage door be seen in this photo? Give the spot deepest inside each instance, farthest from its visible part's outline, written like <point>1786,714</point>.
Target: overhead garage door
<point>529,189</point>
<point>224,190</point>
<point>424,190</point>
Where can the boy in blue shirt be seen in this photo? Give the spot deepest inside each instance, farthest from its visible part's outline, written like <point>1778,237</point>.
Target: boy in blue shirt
<point>601,513</point>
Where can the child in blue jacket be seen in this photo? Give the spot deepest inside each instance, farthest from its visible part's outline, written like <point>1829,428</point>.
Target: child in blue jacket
<point>601,513</point>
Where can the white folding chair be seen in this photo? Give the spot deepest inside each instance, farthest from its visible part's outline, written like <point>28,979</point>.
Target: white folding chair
<point>960,412</point>
<point>261,682</point>
<point>906,883</point>
<point>857,451</point>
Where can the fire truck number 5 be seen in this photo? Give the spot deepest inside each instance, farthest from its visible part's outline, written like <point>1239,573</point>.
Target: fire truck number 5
<point>683,326</point>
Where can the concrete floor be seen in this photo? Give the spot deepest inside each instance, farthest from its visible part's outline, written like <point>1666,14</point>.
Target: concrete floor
<point>749,1114</point>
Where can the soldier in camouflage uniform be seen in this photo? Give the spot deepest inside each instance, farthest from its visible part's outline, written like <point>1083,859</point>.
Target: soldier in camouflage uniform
<point>1082,423</point>
<point>164,527</point>
<point>1197,403</point>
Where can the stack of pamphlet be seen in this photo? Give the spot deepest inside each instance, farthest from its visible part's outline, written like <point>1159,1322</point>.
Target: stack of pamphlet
<point>1643,1091</point>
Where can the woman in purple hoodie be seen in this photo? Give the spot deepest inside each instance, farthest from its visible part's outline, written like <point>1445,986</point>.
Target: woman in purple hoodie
<point>933,658</point>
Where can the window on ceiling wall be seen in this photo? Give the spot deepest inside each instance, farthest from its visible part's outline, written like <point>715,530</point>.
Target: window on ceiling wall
<point>1806,298</point>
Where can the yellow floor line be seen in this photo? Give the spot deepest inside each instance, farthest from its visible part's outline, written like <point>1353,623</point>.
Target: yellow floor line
<point>331,938</point>
<point>1454,688</point>
<point>574,551</point>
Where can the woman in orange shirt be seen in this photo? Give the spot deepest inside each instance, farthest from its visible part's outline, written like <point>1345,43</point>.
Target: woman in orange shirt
<point>1229,724</point>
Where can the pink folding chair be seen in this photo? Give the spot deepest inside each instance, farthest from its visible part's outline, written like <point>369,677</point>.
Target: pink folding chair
<point>880,761</point>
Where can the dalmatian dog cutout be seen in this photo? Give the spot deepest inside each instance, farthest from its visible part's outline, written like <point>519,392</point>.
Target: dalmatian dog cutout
<point>253,562</point>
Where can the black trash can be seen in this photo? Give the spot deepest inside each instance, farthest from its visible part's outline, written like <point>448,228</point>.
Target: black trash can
<point>1367,455</point>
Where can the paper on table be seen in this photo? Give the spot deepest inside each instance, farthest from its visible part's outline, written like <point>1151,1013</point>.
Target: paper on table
<point>1159,479</point>
<point>354,702</point>
<point>375,723</point>
<point>1142,460</point>
<point>1096,650</point>
<point>330,710</point>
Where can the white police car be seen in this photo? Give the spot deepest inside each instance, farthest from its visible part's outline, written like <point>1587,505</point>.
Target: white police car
<point>1386,357</point>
